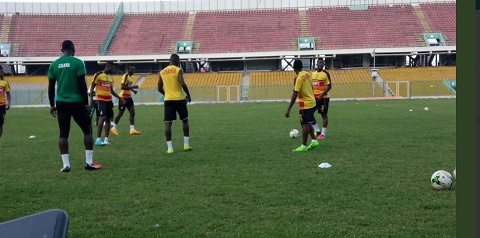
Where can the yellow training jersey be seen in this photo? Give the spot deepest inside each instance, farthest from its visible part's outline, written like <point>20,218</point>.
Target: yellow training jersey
<point>320,82</point>
<point>104,86</point>
<point>4,89</point>
<point>171,83</point>
<point>304,87</point>
<point>128,81</point>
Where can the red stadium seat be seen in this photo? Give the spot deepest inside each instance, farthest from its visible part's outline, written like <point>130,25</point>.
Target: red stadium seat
<point>246,31</point>
<point>42,35</point>
<point>379,26</point>
<point>442,18</point>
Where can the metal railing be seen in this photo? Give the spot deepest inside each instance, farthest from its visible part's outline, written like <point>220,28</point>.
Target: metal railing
<point>405,89</point>
<point>102,49</point>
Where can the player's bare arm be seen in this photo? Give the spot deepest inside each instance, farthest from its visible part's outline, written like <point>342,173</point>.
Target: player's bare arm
<point>184,85</point>
<point>292,101</point>
<point>9,99</point>
<point>82,86</point>
<point>128,87</point>
<point>51,96</point>
<point>116,95</point>
<point>92,92</point>
<point>160,85</point>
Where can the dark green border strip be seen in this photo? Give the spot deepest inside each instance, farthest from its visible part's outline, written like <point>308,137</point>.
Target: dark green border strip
<point>466,125</point>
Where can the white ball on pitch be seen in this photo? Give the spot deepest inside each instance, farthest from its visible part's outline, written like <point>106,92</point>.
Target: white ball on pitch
<point>426,109</point>
<point>294,133</point>
<point>441,180</point>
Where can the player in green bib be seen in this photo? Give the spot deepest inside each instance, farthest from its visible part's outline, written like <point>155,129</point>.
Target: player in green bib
<point>68,73</point>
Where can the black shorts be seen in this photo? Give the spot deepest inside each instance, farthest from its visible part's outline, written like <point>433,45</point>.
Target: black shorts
<point>3,113</point>
<point>95,105</point>
<point>322,106</point>
<point>105,109</point>
<point>77,110</point>
<point>307,116</point>
<point>171,109</point>
<point>128,104</point>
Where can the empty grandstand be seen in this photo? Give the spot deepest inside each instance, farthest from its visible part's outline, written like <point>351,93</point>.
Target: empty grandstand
<point>246,31</point>
<point>246,49</point>
<point>41,35</point>
<point>378,26</point>
<point>351,83</point>
<point>442,18</point>
<point>426,81</point>
<point>140,34</point>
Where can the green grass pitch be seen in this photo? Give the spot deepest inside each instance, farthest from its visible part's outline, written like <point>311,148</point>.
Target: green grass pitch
<point>242,180</point>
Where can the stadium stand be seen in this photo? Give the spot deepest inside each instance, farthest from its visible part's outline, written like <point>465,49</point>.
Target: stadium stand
<point>28,90</point>
<point>246,31</point>
<point>27,80</point>
<point>379,26</point>
<point>425,81</point>
<point>442,18</point>
<point>42,35</point>
<point>271,85</point>
<point>199,80</point>
<point>150,82</point>
<point>232,31</point>
<point>1,25</point>
<point>202,86</point>
<point>272,78</point>
<point>213,79</point>
<point>352,83</point>
<point>148,34</point>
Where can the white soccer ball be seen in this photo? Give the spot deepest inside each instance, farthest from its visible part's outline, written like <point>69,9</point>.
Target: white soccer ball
<point>426,109</point>
<point>294,133</point>
<point>441,180</point>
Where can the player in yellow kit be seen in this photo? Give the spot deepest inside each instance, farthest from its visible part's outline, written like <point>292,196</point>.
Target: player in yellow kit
<point>321,87</point>
<point>103,84</point>
<point>5,99</point>
<point>303,90</point>
<point>172,85</point>
<point>126,93</point>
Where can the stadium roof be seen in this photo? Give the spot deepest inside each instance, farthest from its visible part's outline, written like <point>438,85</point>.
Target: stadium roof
<point>146,6</point>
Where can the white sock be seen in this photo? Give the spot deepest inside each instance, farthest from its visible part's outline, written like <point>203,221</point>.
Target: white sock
<point>112,123</point>
<point>66,160</point>
<point>324,131</point>
<point>169,145</point>
<point>316,128</point>
<point>304,146</point>
<point>314,141</point>
<point>132,127</point>
<point>99,139</point>
<point>106,139</point>
<point>104,123</point>
<point>89,156</point>
<point>114,126</point>
<point>185,140</point>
